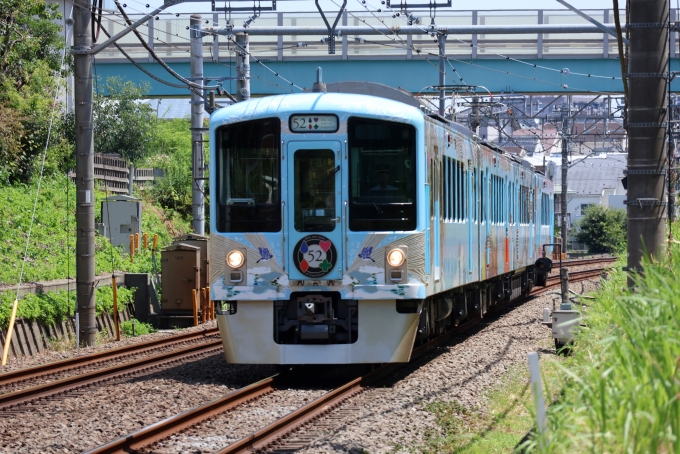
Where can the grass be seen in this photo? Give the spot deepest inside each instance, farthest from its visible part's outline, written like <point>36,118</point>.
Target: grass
<point>507,418</point>
<point>622,389</point>
<point>51,249</point>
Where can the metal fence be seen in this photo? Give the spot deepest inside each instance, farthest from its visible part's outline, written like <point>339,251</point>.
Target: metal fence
<point>168,35</point>
<point>113,174</point>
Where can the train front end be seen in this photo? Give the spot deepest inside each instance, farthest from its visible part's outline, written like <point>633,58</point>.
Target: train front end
<point>315,252</point>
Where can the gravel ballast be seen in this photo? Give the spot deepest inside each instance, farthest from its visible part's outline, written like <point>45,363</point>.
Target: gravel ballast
<point>381,418</point>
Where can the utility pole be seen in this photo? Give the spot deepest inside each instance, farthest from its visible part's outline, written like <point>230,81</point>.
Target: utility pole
<point>197,128</point>
<point>441,39</point>
<point>563,195</point>
<point>82,88</point>
<point>647,116</point>
<point>242,67</point>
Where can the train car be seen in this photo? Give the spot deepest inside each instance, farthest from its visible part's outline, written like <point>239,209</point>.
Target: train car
<point>347,227</point>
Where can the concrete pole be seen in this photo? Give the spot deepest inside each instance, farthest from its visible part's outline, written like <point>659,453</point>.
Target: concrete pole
<point>441,38</point>
<point>197,162</point>
<point>647,115</point>
<point>85,272</point>
<point>563,195</point>
<point>242,67</point>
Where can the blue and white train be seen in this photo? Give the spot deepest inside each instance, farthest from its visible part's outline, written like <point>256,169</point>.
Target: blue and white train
<point>346,227</point>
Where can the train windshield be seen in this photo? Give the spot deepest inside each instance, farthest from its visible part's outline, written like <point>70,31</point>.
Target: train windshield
<point>382,175</point>
<point>249,177</point>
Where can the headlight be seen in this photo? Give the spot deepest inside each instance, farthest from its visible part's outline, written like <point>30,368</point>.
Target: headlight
<point>395,258</point>
<point>235,259</point>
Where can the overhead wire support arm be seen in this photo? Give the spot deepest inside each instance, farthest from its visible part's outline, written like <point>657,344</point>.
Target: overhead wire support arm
<point>331,30</point>
<point>100,47</point>
<point>190,84</point>
<point>594,22</point>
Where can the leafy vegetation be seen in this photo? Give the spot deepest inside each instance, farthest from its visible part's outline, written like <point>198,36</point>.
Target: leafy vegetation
<point>54,307</point>
<point>172,147</point>
<point>121,124</point>
<point>133,328</point>
<point>602,229</point>
<point>30,60</point>
<point>621,391</point>
<point>51,250</point>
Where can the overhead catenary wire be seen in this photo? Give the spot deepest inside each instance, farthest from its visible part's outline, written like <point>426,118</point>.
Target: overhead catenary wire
<point>517,60</point>
<point>162,63</point>
<point>184,50</point>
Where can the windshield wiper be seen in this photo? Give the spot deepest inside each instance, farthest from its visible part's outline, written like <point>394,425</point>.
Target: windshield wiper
<point>370,199</point>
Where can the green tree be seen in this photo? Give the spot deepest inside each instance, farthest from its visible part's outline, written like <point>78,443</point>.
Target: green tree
<point>123,124</point>
<point>172,153</point>
<point>602,229</point>
<point>29,37</point>
<point>30,63</point>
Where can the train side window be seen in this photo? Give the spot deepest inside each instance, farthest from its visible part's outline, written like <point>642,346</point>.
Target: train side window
<point>482,197</point>
<point>461,190</point>
<point>445,189</point>
<point>456,195</point>
<point>248,161</point>
<point>465,193</point>
<point>474,195</point>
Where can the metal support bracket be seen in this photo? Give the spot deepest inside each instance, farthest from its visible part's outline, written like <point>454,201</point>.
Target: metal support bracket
<point>331,30</point>
<point>647,125</point>
<point>645,202</point>
<point>636,75</point>
<point>644,172</point>
<point>648,25</point>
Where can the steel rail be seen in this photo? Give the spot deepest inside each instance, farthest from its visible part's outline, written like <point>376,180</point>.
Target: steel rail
<point>24,396</point>
<point>175,424</point>
<point>262,438</point>
<point>265,436</point>
<point>109,355</point>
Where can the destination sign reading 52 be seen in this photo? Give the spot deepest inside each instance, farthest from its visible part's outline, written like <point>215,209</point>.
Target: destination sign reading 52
<point>313,123</point>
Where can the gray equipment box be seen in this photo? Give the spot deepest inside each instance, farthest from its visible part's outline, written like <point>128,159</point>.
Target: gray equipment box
<point>180,265</point>
<point>122,217</point>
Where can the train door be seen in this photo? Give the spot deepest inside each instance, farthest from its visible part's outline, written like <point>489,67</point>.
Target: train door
<point>314,212</point>
<point>436,192</point>
<point>532,217</point>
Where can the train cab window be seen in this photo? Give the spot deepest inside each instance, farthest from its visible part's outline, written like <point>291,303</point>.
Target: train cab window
<point>249,176</point>
<point>382,175</point>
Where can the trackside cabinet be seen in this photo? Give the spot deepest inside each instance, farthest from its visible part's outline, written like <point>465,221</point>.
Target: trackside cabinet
<point>201,242</point>
<point>122,217</point>
<point>180,274</point>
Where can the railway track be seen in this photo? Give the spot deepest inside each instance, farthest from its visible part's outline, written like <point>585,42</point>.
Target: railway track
<point>277,436</point>
<point>579,262</point>
<point>200,345</point>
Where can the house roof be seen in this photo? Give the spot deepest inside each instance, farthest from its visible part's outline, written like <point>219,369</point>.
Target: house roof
<point>593,175</point>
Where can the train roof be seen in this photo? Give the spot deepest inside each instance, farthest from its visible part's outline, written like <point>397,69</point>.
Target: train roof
<point>342,104</point>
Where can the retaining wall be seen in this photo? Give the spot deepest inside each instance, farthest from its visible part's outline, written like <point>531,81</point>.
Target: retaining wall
<point>32,337</point>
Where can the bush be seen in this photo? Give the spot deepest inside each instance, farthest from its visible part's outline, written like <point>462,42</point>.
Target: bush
<point>602,229</point>
<point>139,330</point>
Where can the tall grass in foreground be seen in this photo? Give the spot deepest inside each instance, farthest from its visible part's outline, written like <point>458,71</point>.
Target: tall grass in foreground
<point>622,389</point>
